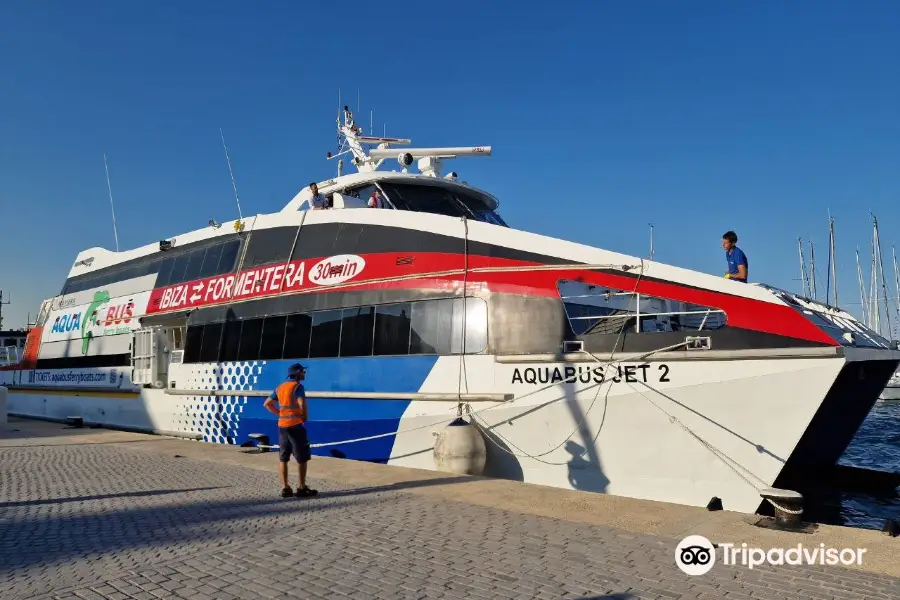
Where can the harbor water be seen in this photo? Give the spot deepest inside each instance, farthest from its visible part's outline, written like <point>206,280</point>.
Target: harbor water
<point>877,447</point>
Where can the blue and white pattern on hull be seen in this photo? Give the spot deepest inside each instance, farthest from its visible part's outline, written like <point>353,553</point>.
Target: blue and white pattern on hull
<point>231,419</point>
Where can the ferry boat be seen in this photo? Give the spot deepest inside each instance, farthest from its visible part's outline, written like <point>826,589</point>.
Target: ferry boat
<point>582,368</point>
<point>892,390</point>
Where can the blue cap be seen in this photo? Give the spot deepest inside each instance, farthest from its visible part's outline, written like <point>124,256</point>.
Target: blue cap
<point>295,368</point>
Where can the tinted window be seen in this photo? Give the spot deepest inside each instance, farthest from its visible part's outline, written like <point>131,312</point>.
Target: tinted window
<point>250,334</point>
<point>272,345</point>
<point>231,337</point>
<point>192,341</point>
<point>431,325</point>
<point>326,333</point>
<point>296,336</point>
<point>424,198</point>
<point>195,263</point>
<point>165,272</point>
<point>229,257</point>
<point>475,324</point>
<point>210,262</point>
<point>269,245</point>
<point>356,331</point>
<point>212,335</point>
<point>178,268</point>
<point>392,323</point>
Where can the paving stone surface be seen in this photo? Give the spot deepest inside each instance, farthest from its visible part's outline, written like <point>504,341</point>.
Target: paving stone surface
<point>102,521</point>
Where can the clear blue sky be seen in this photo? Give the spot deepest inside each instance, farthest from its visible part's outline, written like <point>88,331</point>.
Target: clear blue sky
<point>697,116</point>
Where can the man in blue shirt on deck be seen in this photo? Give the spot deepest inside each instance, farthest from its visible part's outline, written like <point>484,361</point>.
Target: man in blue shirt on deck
<point>317,201</point>
<point>735,258</point>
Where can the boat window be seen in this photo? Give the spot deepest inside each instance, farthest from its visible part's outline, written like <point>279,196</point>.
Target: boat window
<point>272,342</point>
<point>269,245</point>
<point>165,271</point>
<point>392,323</point>
<point>231,337</point>
<point>91,361</point>
<point>192,342</point>
<point>422,327</point>
<point>194,265</point>
<point>209,350</point>
<point>229,256</point>
<point>296,336</point>
<point>357,330</point>
<point>598,310</point>
<point>423,198</point>
<point>440,200</point>
<point>178,268</point>
<point>325,336</point>
<point>251,331</point>
<point>210,262</point>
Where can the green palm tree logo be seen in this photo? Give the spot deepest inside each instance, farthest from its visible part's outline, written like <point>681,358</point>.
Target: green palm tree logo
<point>91,319</point>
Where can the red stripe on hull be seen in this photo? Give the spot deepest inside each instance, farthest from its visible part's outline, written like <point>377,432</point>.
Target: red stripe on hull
<point>380,271</point>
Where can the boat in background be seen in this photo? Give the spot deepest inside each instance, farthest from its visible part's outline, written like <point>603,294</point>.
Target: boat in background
<point>582,368</point>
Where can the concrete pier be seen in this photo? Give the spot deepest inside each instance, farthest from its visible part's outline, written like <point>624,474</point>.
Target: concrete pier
<point>98,514</point>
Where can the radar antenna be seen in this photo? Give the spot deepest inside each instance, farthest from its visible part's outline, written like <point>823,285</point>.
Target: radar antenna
<point>351,140</point>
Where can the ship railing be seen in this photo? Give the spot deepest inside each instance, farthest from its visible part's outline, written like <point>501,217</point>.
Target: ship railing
<point>9,355</point>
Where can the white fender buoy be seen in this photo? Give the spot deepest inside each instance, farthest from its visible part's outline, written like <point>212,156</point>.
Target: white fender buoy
<point>459,448</point>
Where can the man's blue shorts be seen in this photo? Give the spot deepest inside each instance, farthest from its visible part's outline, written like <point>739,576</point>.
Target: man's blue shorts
<point>293,440</point>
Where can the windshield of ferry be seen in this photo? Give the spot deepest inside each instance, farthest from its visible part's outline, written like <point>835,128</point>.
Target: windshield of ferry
<point>440,200</point>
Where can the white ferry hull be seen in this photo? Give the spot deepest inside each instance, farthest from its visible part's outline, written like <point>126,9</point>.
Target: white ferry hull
<point>636,437</point>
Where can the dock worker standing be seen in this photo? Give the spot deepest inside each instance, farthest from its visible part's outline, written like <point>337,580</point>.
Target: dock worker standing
<point>317,201</point>
<point>735,258</point>
<point>291,409</point>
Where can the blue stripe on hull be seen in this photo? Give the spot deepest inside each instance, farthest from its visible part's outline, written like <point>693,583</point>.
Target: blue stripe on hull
<point>335,420</point>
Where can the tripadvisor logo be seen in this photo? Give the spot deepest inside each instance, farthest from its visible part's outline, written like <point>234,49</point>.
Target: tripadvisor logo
<point>696,555</point>
<point>91,319</point>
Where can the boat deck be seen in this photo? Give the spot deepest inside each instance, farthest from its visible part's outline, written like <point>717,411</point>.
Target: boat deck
<point>93,513</point>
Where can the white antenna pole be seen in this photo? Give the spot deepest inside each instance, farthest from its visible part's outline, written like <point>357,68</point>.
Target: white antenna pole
<point>111,206</point>
<point>230,172</point>
<point>651,240</point>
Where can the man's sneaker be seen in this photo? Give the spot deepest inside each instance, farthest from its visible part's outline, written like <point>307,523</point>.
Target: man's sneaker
<point>287,492</point>
<point>305,492</point>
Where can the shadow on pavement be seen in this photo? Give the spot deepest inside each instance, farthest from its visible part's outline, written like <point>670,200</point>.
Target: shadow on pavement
<point>14,503</point>
<point>394,487</point>
<point>49,537</point>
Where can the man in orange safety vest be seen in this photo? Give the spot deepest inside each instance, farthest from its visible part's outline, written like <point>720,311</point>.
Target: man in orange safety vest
<point>290,398</point>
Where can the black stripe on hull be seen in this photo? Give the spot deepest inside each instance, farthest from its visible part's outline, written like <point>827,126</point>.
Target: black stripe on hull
<point>726,338</point>
<point>301,303</point>
<point>842,412</point>
<point>350,238</point>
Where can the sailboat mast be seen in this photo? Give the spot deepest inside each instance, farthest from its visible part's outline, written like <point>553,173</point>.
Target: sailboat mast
<point>832,259</point>
<point>896,281</point>
<point>804,280</point>
<point>863,300</point>
<point>812,270</point>
<point>887,310</point>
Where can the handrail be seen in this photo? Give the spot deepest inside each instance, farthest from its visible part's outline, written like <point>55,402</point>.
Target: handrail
<point>620,357</point>
<point>352,395</point>
<point>346,395</point>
